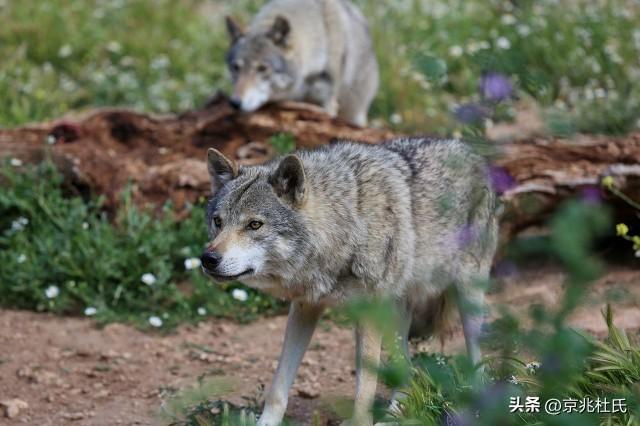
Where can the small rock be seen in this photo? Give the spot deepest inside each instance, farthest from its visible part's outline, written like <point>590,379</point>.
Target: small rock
<point>309,362</point>
<point>224,328</point>
<point>83,352</point>
<point>102,394</point>
<point>109,354</point>
<point>73,416</point>
<point>307,391</point>
<point>12,407</point>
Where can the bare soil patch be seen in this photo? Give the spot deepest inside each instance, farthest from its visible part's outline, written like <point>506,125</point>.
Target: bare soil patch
<point>70,372</point>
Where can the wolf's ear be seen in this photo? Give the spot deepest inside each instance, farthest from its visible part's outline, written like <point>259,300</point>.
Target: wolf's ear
<point>233,28</point>
<point>221,169</point>
<point>279,31</point>
<point>288,181</point>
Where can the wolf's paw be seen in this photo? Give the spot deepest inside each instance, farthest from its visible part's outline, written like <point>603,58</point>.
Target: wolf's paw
<point>268,421</point>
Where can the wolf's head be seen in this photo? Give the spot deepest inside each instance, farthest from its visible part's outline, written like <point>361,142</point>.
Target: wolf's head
<point>257,62</point>
<point>256,229</point>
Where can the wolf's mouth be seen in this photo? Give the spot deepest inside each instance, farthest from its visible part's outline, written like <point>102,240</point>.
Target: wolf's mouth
<point>219,277</point>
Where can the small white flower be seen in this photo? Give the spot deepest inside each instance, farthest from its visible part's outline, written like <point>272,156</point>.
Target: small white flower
<point>503,43</point>
<point>51,140</point>
<point>455,51</point>
<point>202,311</point>
<point>191,263</point>
<point>65,51</point>
<point>21,258</point>
<point>638,251</point>
<point>523,30</point>
<point>90,311</point>
<point>588,94</point>
<point>155,321</point>
<point>508,19</point>
<point>85,225</point>
<point>514,380</point>
<point>160,62</point>
<point>395,118</point>
<point>19,224</point>
<point>113,46</point>
<point>532,366</point>
<point>16,162</point>
<point>52,292</point>
<point>600,93</point>
<point>148,279</point>
<point>240,294</point>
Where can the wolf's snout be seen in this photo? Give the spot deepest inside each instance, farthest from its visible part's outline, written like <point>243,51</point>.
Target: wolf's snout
<point>235,102</point>
<point>210,260</point>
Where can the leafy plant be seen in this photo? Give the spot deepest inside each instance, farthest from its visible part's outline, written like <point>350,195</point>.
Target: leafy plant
<point>59,253</point>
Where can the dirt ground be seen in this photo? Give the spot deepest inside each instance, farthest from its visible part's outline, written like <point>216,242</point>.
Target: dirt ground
<point>70,372</point>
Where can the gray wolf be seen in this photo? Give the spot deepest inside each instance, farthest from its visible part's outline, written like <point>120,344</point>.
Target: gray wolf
<point>408,220</point>
<point>316,51</point>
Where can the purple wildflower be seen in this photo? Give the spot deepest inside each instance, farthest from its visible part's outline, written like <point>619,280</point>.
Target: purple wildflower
<point>501,180</point>
<point>451,418</point>
<point>591,194</point>
<point>495,87</point>
<point>469,113</point>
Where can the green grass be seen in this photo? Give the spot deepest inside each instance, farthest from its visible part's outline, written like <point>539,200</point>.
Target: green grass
<point>601,369</point>
<point>577,59</point>
<point>62,254</point>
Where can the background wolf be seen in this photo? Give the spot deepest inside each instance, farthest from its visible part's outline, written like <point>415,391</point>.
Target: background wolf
<point>410,220</point>
<point>317,51</point>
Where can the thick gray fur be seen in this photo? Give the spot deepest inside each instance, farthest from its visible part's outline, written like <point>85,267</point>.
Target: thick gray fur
<point>316,51</point>
<point>410,219</point>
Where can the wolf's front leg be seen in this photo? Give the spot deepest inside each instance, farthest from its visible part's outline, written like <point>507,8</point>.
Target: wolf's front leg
<point>300,326</point>
<point>368,343</point>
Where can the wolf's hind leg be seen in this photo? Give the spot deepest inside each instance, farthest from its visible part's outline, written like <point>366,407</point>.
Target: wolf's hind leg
<point>471,307</point>
<point>300,326</point>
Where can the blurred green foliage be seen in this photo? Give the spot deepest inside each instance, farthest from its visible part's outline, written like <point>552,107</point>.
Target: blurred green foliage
<point>577,59</point>
<point>283,143</point>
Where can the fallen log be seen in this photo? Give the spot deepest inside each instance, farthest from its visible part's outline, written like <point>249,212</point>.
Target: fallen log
<point>162,157</point>
<point>548,171</point>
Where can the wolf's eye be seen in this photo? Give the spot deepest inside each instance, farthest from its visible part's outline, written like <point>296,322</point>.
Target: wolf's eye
<point>217,221</point>
<point>261,68</point>
<point>254,224</point>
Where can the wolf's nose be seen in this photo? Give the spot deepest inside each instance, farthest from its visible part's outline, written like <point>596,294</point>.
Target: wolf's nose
<point>210,259</point>
<point>235,102</point>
